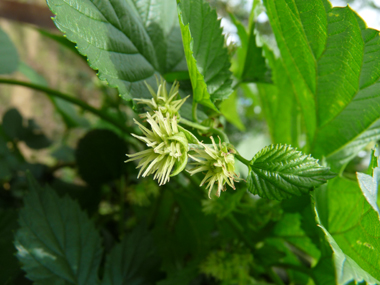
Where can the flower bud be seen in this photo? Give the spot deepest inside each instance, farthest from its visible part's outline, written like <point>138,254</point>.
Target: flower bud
<point>218,162</point>
<point>168,147</point>
<point>162,101</point>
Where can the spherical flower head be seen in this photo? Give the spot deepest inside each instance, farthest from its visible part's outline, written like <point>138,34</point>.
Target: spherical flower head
<point>163,101</point>
<point>219,164</point>
<point>167,148</point>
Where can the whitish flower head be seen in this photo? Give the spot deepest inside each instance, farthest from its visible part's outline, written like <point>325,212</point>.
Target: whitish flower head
<point>163,101</point>
<point>218,162</point>
<point>167,148</point>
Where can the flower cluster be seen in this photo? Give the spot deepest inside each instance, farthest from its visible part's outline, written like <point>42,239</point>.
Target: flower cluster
<point>167,150</point>
<point>219,164</point>
<point>162,101</point>
<point>169,146</point>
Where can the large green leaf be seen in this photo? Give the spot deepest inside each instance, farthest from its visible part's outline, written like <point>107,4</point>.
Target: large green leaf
<point>332,60</point>
<point>250,64</point>
<point>127,41</point>
<point>56,241</point>
<point>8,54</point>
<point>280,171</point>
<point>352,228</point>
<point>279,103</point>
<point>342,156</point>
<point>132,261</point>
<point>206,56</point>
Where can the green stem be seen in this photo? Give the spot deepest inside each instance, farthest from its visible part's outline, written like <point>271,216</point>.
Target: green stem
<point>70,99</point>
<point>205,129</point>
<point>194,112</point>
<point>242,159</point>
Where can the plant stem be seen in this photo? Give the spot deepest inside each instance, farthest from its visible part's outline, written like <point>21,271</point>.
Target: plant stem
<point>194,112</point>
<point>205,129</point>
<point>242,159</point>
<point>70,99</point>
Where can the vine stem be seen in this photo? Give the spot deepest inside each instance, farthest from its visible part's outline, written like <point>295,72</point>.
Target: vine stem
<point>242,159</point>
<point>70,99</point>
<point>205,129</point>
<point>194,112</point>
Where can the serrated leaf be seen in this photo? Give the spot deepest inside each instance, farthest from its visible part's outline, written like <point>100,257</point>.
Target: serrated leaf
<point>206,56</point>
<point>128,42</point>
<point>56,242</point>
<point>280,171</point>
<point>333,61</point>
<point>8,54</point>
<point>352,228</point>
<point>132,261</point>
<point>250,65</point>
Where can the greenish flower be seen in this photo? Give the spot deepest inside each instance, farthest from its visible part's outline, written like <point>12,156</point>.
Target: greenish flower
<point>162,101</point>
<point>218,162</point>
<point>168,147</point>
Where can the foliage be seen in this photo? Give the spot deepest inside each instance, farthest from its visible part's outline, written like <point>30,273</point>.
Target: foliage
<point>297,207</point>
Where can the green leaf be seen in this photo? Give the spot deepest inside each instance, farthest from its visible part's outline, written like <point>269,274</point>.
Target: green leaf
<point>369,184</point>
<point>280,171</point>
<point>132,261</point>
<point>8,54</point>
<point>339,159</point>
<point>128,42</point>
<point>279,103</point>
<point>100,156</point>
<point>290,230</point>
<point>56,241</point>
<point>332,60</point>
<point>250,65</point>
<point>374,161</point>
<point>229,110</point>
<point>206,56</point>
<point>352,228</point>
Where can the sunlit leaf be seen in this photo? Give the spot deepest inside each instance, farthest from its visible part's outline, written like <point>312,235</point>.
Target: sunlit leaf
<point>280,171</point>
<point>206,56</point>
